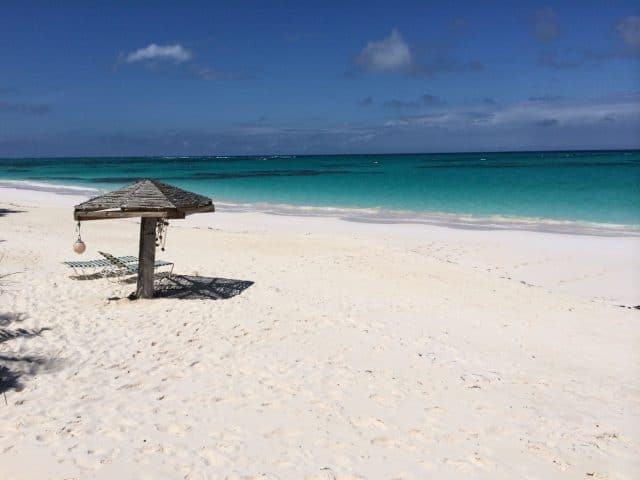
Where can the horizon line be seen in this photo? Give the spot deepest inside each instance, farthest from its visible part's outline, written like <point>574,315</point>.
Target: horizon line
<point>636,149</point>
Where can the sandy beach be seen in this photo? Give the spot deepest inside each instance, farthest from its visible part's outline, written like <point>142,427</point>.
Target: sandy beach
<point>316,348</point>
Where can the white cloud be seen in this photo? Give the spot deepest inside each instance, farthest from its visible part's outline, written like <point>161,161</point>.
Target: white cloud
<point>570,111</point>
<point>540,112</point>
<point>389,54</point>
<point>393,54</point>
<point>176,53</point>
<point>629,29</point>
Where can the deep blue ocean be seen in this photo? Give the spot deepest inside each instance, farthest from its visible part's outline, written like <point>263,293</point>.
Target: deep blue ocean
<point>593,186</point>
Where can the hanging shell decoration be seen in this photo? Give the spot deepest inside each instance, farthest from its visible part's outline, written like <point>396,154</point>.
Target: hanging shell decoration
<point>79,246</point>
<point>161,233</point>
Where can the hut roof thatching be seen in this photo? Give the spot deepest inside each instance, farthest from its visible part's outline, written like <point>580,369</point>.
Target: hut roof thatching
<point>144,198</point>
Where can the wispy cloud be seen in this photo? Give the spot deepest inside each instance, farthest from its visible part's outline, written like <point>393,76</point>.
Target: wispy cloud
<point>628,32</point>
<point>605,122</point>
<point>401,104</point>
<point>547,122</point>
<point>458,24</point>
<point>7,90</point>
<point>570,111</point>
<point>550,59</point>
<point>546,98</point>
<point>446,65</point>
<point>391,54</point>
<point>431,100</point>
<point>211,74</point>
<point>426,100</point>
<point>544,111</point>
<point>24,108</point>
<point>629,29</point>
<point>153,52</point>
<point>545,25</point>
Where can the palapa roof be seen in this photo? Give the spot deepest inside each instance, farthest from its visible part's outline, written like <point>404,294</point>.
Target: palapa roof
<point>144,198</point>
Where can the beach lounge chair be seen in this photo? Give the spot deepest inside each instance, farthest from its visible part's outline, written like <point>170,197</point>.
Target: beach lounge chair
<point>94,266</point>
<point>119,268</point>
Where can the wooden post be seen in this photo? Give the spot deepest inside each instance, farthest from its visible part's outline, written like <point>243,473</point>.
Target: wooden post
<point>146,257</point>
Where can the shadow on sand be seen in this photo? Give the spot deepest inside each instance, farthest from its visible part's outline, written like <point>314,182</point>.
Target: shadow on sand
<point>184,287</point>
<point>191,287</point>
<point>88,276</point>
<point>6,211</point>
<point>13,367</point>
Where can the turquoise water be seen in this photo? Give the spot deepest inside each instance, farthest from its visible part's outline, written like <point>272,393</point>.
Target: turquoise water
<point>599,187</point>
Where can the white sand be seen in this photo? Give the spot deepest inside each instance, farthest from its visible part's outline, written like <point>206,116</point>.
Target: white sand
<point>361,351</point>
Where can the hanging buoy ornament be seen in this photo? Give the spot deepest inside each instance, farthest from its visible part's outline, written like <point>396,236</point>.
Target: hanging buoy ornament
<point>78,246</point>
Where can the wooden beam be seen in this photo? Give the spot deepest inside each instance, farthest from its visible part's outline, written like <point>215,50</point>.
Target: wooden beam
<point>208,208</point>
<point>111,214</point>
<point>146,257</point>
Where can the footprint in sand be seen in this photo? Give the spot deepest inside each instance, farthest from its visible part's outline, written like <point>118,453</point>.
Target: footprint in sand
<point>368,422</point>
<point>173,429</point>
<point>46,437</point>
<point>212,457</point>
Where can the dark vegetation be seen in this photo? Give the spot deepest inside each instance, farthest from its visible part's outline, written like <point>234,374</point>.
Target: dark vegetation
<point>16,367</point>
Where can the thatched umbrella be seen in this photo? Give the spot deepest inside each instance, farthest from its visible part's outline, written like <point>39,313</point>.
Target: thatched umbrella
<point>151,200</point>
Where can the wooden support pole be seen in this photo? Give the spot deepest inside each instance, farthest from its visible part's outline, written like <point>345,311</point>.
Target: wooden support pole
<point>146,257</point>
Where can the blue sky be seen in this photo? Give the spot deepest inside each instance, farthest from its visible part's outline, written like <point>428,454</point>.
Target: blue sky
<point>109,78</point>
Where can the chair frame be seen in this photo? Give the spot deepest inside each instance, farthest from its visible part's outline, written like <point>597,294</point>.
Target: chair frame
<point>95,265</point>
<point>119,268</point>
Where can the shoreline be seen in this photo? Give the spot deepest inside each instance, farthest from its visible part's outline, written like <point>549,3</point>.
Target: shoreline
<point>599,265</point>
<point>375,215</point>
